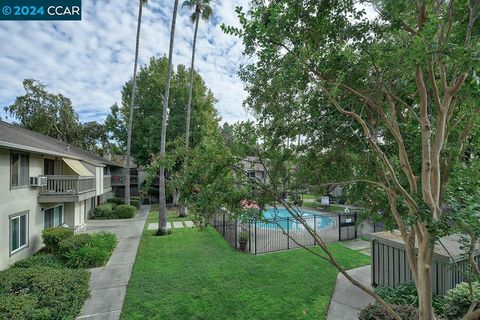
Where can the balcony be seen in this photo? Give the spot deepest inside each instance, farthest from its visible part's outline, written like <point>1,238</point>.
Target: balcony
<point>67,189</point>
<point>119,180</point>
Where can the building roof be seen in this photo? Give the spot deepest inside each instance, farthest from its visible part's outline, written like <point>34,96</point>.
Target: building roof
<point>18,138</point>
<point>447,248</point>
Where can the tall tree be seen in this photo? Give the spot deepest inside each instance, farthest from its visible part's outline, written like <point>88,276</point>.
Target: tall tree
<point>132,101</point>
<point>162,212</point>
<point>53,115</point>
<point>201,9</point>
<point>412,122</point>
<point>148,105</point>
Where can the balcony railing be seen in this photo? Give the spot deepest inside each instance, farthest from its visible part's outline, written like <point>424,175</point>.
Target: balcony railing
<point>67,185</point>
<point>119,180</point>
<point>107,181</point>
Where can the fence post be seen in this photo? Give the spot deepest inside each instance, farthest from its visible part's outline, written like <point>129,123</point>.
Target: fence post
<point>314,228</point>
<point>255,236</point>
<point>223,225</point>
<point>355,226</point>
<point>236,234</point>
<point>339,227</point>
<point>288,233</point>
<point>249,236</point>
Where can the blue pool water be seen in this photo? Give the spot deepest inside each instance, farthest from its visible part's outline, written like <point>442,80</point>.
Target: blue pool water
<point>316,221</point>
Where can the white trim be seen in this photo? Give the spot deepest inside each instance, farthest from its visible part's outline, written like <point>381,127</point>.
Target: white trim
<point>27,237</point>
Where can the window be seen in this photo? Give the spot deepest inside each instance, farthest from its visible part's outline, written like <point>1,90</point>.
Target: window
<point>18,232</point>
<point>251,174</point>
<point>53,217</point>
<point>48,167</point>
<point>19,170</point>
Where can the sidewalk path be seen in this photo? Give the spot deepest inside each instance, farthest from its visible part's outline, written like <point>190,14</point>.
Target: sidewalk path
<point>347,299</point>
<point>108,284</point>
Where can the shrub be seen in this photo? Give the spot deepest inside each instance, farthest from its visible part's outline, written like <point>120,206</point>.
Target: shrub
<point>135,198</point>
<point>115,200</point>
<point>377,312</point>
<point>403,294</point>
<point>135,203</point>
<point>42,293</point>
<point>74,243</point>
<point>40,260</point>
<point>458,300</point>
<point>125,211</point>
<point>86,250</point>
<point>53,236</point>
<point>103,211</point>
<point>105,241</point>
<point>406,294</point>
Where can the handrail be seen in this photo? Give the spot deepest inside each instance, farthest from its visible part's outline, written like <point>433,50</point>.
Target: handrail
<point>67,185</point>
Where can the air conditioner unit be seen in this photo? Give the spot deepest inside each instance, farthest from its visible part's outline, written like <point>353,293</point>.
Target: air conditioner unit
<point>39,181</point>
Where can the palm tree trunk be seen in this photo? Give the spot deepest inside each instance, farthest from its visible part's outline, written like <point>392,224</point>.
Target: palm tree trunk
<point>162,213</point>
<point>190,90</point>
<point>183,208</point>
<point>132,103</point>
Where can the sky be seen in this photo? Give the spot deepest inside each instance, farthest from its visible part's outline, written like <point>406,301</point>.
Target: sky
<point>90,60</point>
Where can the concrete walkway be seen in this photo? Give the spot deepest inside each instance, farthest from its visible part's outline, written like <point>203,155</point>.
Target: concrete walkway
<point>347,299</point>
<point>108,284</point>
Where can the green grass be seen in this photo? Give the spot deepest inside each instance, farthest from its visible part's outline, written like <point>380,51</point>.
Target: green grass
<point>172,215</point>
<point>198,275</point>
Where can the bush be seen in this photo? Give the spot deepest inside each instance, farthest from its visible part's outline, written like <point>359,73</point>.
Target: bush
<point>105,241</point>
<point>125,211</point>
<point>135,203</point>
<point>42,293</point>
<point>117,201</point>
<point>458,300</point>
<point>377,312</point>
<point>53,236</point>
<point>406,294</point>
<point>103,211</point>
<point>86,250</point>
<point>403,294</point>
<point>40,260</point>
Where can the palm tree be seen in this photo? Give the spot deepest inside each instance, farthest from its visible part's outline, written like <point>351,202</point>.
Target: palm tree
<point>162,212</point>
<point>141,3</point>
<point>201,9</point>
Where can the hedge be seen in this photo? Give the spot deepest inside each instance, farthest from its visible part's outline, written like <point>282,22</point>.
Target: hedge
<point>42,293</point>
<point>103,211</point>
<point>115,200</point>
<point>377,312</point>
<point>125,211</point>
<point>40,260</point>
<point>87,250</point>
<point>53,236</point>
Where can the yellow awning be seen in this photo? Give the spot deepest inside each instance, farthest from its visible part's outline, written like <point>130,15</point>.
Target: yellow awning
<point>78,167</point>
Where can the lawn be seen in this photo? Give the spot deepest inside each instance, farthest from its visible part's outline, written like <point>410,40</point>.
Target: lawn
<point>172,215</point>
<point>198,275</point>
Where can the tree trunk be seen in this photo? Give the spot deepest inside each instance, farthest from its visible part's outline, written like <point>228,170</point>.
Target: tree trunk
<point>132,103</point>
<point>162,212</point>
<point>190,89</point>
<point>175,197</point>
<point>183,208</point>
<point>424,285</point>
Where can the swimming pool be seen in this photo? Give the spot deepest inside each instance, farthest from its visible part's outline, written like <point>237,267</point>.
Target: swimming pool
<point>314,221</point>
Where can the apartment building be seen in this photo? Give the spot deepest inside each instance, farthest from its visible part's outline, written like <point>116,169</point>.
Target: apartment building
<point>44,183</point>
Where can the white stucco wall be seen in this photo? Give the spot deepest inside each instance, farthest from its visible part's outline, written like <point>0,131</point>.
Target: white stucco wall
<point>20,200</point>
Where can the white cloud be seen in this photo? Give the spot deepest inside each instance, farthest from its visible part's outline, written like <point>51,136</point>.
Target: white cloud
<point>90,60</point>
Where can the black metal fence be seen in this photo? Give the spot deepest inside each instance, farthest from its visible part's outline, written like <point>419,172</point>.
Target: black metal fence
<point>287,233</point>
